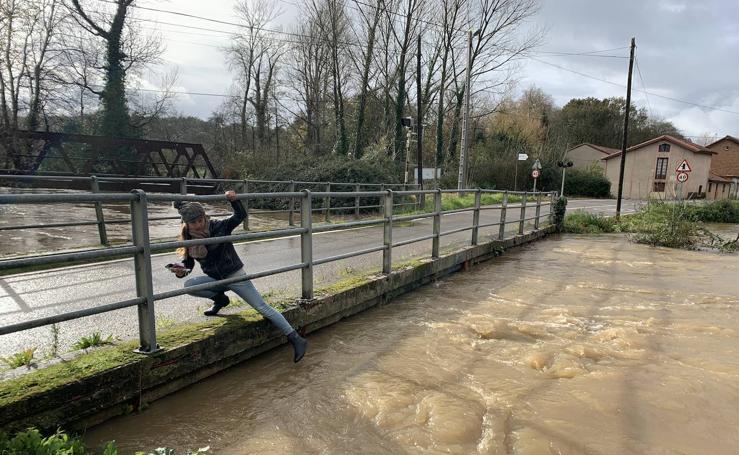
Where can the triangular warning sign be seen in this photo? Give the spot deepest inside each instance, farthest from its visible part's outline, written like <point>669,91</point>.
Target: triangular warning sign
<point>684,167</point>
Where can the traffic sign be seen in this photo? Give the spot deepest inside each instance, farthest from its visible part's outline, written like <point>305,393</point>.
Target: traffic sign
<point>684,167</point>
<point>682,177</point>
<point>522,157</point>
<point>537,165</point>
<point>535,173</point>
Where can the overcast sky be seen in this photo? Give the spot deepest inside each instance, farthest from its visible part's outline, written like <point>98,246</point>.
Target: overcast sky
<point>686,50</point>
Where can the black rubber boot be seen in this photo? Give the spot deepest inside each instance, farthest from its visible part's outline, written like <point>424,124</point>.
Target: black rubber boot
<point>300,345</point>
<point>219,301</point>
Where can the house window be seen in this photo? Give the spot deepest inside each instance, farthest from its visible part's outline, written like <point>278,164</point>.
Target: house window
<point>661,171</point>
<point>664,148</point>
<point>659,187</point>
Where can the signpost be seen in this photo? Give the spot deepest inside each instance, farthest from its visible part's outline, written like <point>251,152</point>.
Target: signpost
<point>682,175</point>
<point>684,167</point>
<point>521,157</point>
<point>536,172</point>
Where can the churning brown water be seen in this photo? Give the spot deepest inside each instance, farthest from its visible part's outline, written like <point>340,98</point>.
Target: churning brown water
<point>573,345</point>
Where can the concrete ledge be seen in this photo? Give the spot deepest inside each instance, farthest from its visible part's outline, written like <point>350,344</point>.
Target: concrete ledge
<point>139,380</point>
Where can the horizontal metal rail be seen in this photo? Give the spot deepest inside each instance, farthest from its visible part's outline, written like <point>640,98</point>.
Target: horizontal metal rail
<point>497,223</point>
<point>351,224</point>
<point>227,281</point>
<point>413,240</point>
<point>339,257</point>
<point>278,233</point>
<point>218,197</point>
<point>40,322</point>
<point>454,231</point>
<point>50,225</point>
<point>414,216</point>
<point>66,198</point>
<point>453,211</point>
<point>68,257</point>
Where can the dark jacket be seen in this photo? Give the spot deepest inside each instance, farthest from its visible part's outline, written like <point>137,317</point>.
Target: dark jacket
<point>221,260</point>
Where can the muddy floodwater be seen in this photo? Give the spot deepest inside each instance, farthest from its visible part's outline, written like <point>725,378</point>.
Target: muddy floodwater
<point>572,345</point>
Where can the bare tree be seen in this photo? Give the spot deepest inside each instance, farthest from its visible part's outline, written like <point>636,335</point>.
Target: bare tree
<point>310,73</point>
<point>255,55</point>
<point>330,17</point>
<point>28,33</point>
<point>404,40</point>
<point>370,21</point>
<point>494,48</point>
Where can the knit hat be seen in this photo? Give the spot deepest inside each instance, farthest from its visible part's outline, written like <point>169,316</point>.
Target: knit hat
<point>189,211</point>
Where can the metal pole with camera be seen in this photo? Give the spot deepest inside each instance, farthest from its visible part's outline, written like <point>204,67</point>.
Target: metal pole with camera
<point>564,165</point>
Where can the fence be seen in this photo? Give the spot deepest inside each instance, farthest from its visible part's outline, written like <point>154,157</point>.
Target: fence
<point>141,248</point>
<point>245,186</point>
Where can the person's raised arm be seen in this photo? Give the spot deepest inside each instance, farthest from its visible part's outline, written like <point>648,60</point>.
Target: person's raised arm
<point>239,212</point>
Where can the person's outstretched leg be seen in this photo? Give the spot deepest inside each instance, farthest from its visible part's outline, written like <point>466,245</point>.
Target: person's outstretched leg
<point>216,294</point>
<point>247,291</point>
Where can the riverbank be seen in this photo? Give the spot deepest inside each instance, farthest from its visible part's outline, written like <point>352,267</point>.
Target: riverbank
<point>668,224</point>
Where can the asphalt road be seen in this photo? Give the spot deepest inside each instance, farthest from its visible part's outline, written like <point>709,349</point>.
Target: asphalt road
<point>38,294</point>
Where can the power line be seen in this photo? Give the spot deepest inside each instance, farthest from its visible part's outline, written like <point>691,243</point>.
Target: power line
<point>643,86</point>
<point>704,106</point>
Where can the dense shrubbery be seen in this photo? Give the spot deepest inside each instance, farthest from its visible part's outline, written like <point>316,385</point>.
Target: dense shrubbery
<point>668,224</point>
<point>560,209</point>
<point>587,182</point>
<point>723,211</point>
<point>33,442</point>
<point>335,169</point>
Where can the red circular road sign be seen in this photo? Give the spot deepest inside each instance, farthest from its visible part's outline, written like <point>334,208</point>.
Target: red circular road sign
<point>682,177</point>
<point>535,173</point>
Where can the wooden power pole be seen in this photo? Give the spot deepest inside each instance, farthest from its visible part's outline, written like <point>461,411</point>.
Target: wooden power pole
<point>626,132</point>
<point>419,123</point>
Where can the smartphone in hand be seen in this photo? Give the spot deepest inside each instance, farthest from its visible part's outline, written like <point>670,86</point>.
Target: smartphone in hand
<point>176,267</point>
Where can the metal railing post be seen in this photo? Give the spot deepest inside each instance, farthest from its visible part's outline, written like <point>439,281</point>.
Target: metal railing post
<point>183,185</point>
<point>95,187</point>
<point>290,221</point>
<point>538,211</point>
<point>523,214</point>
<point>142,267</point>
<point>327,204</point>
<point>476,216</point>
<point>503,209</point>
<point>437,225</point>
<point>552,198</point>
<point>245,203</point>
<point>387,253</point>
<point>382,188</point>
<point>356,202</point>
<point>306,244</point>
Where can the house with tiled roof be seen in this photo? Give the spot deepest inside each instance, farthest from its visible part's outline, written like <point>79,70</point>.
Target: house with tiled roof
<point>724,180</point>
<point>586,155</point>
<point>651,169</point>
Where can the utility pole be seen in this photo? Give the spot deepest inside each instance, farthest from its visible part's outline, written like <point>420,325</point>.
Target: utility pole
<point>419,124</point>
<point>626,132</point>
<point>462,176</point>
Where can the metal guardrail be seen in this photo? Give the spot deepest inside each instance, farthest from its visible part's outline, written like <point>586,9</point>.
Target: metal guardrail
<point>141,248</point>
<point>242,185</point>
